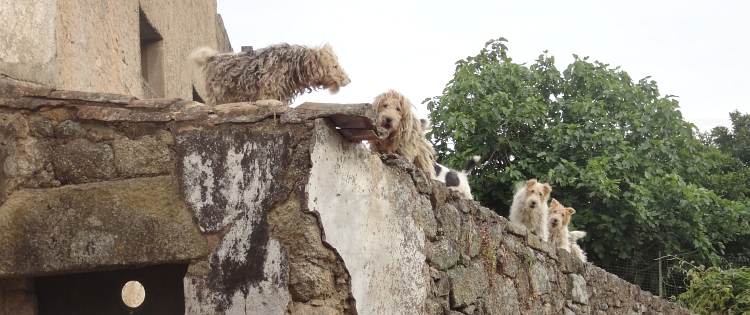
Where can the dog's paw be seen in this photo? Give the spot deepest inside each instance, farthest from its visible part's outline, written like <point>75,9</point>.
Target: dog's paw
<point>383,133</point>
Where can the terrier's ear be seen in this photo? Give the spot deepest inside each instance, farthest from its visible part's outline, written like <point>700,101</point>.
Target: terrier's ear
<point>547,189</point>
<point>570,211</point>
<point>531,182</point>
<point>554,203</point>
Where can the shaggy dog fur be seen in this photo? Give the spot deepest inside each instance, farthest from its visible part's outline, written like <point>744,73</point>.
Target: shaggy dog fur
<point>559,217</point>
<point>574,248</point>
<point>277,72</point>
<point>530,208</point>
<point>456,180</point>
<point>406,136</point>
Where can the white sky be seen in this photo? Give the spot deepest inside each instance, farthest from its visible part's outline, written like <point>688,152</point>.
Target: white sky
<point>697,50</point>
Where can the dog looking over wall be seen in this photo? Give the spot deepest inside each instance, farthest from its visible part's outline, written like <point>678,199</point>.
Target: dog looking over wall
<point>455,180</point>
<point>406,136</point>
<point>559,218</point>
<point>277,72</point>
<point>530,207</point>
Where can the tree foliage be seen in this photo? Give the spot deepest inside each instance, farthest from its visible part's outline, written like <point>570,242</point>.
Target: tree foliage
<point>729,152</point>
<point>716,291</point>
<point>615,150</point>
<point>735,142</point>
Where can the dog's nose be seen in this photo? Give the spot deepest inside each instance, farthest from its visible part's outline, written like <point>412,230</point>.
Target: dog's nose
<point>533,203</point>
<point>554,220</point>
<point>388,119</point>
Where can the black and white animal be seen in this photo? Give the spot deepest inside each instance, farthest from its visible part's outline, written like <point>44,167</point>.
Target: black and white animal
<point>456,180</point>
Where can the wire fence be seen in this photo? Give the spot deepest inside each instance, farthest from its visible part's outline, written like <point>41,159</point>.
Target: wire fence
<point>660,274</point>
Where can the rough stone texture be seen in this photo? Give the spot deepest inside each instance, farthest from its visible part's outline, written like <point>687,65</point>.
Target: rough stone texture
<point>148,155</point>
<point>449,221</point>
<point>540,280</point>
<point>501,297</point>
<point>425,217</point>
<point>229,178</point>
<point>83,161</point>
<point>467,284</point>
<point>69,130</point>
<point>272,218</point>
<point>442,254</point>
<point>92,226</point>
<point>95,46</point>
<point>26,159</point>
<point>366,213</point>
<point>577,289</point>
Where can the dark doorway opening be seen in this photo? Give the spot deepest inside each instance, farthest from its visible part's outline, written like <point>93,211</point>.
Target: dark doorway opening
<point>101,292</point>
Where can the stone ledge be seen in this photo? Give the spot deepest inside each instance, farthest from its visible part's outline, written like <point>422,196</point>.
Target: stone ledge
<point>356,122</point>
<point>72,228</point>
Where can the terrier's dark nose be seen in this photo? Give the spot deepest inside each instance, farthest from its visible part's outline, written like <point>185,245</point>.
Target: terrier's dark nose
<point>554,220</point>
<point>388,119</point>
<point>533,203</point>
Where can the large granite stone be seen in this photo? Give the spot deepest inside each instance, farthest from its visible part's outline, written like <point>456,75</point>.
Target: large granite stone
<point>83,161</point>
<point>96,226</point>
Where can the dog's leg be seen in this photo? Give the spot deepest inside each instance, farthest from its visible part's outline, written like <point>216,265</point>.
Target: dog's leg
<point>543,226</point>
<point>565,241</point>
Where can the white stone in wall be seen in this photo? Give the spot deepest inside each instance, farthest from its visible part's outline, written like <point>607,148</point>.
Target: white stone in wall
<point>365,209</point>
<point>229,186</point>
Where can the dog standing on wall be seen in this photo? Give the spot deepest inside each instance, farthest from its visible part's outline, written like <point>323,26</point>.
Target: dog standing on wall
<point>406,136</point>
<point>575,249</point>
<point>559,218</point>
<point>277,72</point>
<point>530,208</point>
<point>456,180</point>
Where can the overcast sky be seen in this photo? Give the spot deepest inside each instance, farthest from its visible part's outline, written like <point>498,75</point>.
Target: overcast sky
<point>697,50</point>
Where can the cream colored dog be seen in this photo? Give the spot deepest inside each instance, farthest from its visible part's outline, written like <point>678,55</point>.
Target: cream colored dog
<point>574,247</point>
<point>559,218</point>
<point>406,137</point>
<point>530,208</point>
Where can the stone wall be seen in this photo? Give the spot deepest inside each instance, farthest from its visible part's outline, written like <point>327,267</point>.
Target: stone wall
<point>273,210</point>
<point>95,46</point>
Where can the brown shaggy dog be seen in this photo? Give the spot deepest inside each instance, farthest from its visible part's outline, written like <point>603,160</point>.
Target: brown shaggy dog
<point>277,72</point>
<point>406,136</point>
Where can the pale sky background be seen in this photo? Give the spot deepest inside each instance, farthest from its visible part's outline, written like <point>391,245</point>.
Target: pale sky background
<point>697,50</point>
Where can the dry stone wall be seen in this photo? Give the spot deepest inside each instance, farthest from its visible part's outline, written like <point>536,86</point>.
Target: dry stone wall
<point>272,210</point>
<point>413,247</point>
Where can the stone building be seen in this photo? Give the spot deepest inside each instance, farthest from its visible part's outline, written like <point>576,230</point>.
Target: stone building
<point>132,47</point>
<point>112,172</point>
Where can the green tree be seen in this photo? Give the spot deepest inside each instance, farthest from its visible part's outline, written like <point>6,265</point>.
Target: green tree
<point>729,151</point>
<point>735,142</point>
<point>729,174</point>
<point>716,291</point>
<point>615,150</point>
